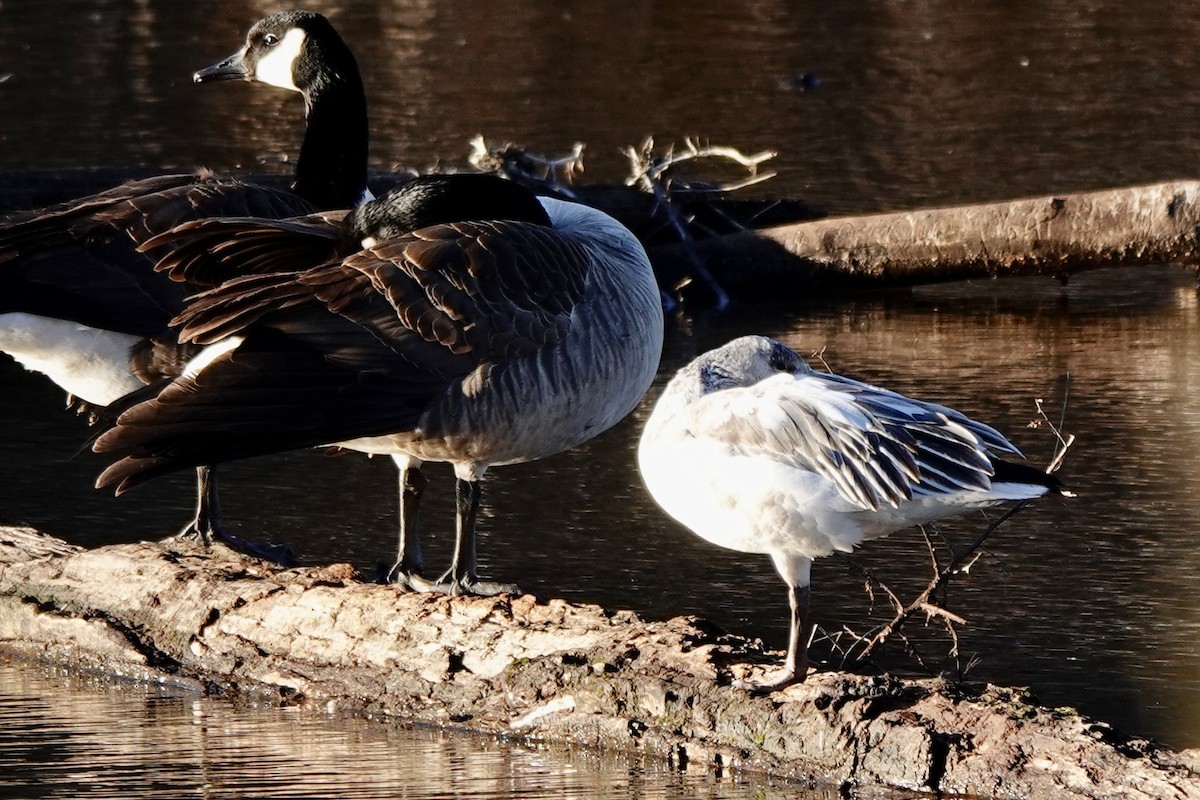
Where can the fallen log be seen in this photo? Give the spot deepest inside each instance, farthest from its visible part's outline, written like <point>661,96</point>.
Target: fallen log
<point>550,670</point>
<point>758,249</point>
<point>1056,235</point>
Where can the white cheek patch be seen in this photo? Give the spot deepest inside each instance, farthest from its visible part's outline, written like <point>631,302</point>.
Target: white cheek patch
<point>275,68</point>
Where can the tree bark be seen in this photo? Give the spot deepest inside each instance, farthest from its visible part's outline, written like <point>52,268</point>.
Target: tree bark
<point>550,670</point>
<point>1054,235</point>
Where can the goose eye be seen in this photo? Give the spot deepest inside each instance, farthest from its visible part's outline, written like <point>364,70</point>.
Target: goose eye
<point>270,39</point>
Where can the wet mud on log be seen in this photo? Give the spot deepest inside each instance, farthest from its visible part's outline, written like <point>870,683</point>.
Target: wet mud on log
<point>550,670</point>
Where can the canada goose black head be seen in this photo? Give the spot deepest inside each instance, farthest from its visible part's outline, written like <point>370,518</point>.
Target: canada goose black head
<point>439,199</point>
<point>296,50</point>
<point>300,51</point>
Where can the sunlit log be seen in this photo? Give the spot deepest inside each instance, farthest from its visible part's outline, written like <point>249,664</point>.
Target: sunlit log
<point>1055,235</point>
<point>568,675</point>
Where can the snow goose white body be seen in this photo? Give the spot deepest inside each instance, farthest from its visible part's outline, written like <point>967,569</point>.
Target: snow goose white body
<point>754,451</point>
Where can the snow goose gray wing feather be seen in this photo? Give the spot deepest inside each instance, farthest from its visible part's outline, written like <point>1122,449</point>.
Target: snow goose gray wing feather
<point>878,447</point>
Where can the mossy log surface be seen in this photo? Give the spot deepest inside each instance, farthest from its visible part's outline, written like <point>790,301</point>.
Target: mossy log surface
<point>551,670</point>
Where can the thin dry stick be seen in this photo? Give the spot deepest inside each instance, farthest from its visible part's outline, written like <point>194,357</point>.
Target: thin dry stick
<point>940,579</point>
<point>529,168</point>
<point>647,169</point>
<point>650,173</point>
<point>960,562</point>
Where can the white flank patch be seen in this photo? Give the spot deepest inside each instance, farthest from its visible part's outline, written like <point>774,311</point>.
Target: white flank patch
<point>275,68</point>
<point>90,363</point>
<point>211,354</point>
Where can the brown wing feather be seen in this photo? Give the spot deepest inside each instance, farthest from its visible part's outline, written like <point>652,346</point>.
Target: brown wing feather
<point>462,286</point>
<point>142,209</point>
<point>79,260</point>
<point>212,251</point>
<point>497,289</point>
<point>357,347</point>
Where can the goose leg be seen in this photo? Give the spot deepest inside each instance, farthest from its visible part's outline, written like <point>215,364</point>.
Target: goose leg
<point>461,578</point>
<point>795,573</point>
<point>206,524</point>
<point>409,562</point>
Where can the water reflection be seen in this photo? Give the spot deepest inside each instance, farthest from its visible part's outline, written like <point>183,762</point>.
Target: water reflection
<point>922,104</point>
<point>67,735</point>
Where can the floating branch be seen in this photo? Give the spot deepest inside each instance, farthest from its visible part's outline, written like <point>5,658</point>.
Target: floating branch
<point>1055,235</point>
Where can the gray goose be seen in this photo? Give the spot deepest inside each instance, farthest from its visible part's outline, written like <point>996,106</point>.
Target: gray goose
<point>518,330</point>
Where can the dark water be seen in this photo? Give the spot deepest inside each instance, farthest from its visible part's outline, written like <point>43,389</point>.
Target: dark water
<point>1092,602</point>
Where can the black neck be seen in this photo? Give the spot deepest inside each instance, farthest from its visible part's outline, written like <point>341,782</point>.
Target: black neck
<point>331,172</point>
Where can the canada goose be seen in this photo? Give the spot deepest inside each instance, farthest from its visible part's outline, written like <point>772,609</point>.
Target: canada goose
<point>486,341</point>
<point>754,451</point>
<point>79,303</point>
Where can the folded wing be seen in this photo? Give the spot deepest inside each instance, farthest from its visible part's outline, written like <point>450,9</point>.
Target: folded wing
<point>356,347</point>
<point>877,447</point>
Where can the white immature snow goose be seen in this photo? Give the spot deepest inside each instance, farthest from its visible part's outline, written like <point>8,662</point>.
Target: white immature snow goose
<point>81,304</point>
<point>754,451</point>
<point>494,339</point>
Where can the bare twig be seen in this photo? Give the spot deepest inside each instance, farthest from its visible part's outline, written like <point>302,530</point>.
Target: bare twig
<point>819,355</point>
<point>529,168</point>
<point>648,169</point>
<point>652,174</point>
<point>940,579</point>
<point>960,562</point>
<point>1063,443</point>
